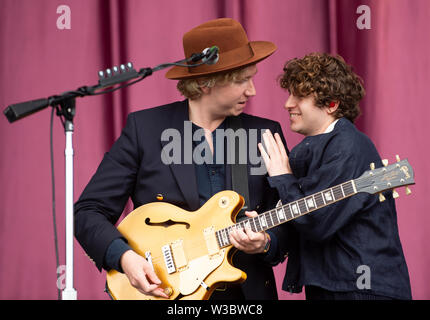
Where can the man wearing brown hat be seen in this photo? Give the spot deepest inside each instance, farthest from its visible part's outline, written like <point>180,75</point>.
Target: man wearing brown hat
<point>136,166</point>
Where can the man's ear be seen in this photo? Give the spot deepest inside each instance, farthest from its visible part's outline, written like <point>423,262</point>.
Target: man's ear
<point>205,89</point>
<point>332,107</point>
<point>202,85</point>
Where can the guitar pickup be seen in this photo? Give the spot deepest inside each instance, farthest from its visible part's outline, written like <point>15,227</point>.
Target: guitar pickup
<point>179,255</point>
<point>210,239</point>
<point>168,259</point>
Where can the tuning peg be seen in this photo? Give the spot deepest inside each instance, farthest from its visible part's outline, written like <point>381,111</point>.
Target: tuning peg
<point>381,197</point>
<point>395,194</point>
<point>372,166</point>
<point>397,158</point>
<point>408,191</point>
<point>385,162</point>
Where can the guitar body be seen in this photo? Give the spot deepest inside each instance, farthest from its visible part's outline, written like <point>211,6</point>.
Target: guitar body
<point>161,230</point>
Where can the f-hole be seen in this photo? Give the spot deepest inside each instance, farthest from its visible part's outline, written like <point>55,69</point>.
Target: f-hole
<point>166,224</point>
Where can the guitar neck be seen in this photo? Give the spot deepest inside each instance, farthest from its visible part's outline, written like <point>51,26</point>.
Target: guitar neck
<point>290,211</point>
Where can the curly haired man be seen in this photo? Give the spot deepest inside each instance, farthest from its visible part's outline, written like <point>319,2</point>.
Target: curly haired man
<point>349,250</point>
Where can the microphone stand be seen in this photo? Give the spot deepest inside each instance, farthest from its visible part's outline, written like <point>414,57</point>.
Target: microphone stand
<point>65,104</point>
<point>68,111</point>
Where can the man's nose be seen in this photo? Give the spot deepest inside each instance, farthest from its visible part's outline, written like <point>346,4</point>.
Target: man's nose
<point>290,103</point>
<point>250,90</point>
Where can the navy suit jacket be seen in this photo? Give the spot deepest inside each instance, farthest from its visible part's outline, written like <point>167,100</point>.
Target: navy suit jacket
<point>134,168</point>
<point>331,246</point>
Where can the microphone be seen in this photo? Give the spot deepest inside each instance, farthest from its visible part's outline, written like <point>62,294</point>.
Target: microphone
<point>20,110</point>
<point>211,55</point>
<point>208,55</point>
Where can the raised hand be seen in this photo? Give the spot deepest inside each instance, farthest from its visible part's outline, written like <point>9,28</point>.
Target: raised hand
<point>276,158</point>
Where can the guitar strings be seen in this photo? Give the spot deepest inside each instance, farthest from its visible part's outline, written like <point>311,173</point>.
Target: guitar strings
<point>336,192</point>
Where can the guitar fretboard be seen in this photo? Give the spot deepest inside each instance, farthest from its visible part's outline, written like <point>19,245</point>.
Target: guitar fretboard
<point>289,211</point>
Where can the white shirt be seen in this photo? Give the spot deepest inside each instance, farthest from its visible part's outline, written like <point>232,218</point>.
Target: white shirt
<point>331,126</point>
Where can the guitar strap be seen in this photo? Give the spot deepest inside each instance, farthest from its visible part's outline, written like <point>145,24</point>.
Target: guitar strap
<point>239,172</point>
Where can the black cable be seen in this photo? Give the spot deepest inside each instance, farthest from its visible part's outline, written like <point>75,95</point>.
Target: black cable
<point>54,219</point>
<point>117,88</point>
<point>156,68</point>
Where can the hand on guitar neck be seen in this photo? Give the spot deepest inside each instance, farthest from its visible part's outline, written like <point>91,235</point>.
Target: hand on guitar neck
<point>141,275</point>
<point>247,240</point>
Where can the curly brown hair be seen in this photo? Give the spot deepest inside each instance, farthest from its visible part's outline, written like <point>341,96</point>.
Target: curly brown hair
<point>328,78</point>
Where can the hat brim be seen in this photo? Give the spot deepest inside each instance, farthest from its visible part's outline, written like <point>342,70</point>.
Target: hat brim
<point>261,49</point>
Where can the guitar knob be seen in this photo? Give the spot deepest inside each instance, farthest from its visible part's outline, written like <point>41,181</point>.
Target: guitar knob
<point>395,194</point>
<point>385,162</point>
<point>408,191</point>
<point>168,291</point>
<point>372,166</point>
<point>397,158</point>
<point>381,197</point>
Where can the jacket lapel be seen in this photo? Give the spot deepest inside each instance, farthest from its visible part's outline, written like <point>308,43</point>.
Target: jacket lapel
<point>184,172</point>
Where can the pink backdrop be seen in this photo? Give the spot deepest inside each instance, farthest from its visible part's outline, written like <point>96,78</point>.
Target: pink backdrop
<point>37,60</point>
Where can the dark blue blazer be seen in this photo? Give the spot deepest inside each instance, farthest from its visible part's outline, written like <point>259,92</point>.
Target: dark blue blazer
<point>133,168</point>
<point>330,247</point>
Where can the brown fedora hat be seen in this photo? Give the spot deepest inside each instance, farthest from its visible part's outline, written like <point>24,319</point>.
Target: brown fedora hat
<point>235,50</point>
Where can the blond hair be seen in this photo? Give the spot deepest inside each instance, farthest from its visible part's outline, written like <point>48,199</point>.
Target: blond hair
<point>192,88</point>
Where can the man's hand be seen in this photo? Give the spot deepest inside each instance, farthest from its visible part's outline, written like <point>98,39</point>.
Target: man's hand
<point>140,274</point>
<point>276,158</point>
<point>247,240</point>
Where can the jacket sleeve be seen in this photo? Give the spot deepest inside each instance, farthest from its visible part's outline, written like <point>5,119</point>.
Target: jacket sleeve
<point>282,239</point>
<point>104,198</point>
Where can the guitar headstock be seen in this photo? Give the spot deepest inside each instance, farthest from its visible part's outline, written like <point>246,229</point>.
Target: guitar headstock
<point>387,177</point>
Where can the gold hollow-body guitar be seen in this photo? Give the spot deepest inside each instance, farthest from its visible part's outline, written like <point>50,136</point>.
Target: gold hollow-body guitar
<point>191,252</point>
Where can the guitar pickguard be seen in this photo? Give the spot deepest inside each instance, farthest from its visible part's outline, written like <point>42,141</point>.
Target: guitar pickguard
<point>198,269</point>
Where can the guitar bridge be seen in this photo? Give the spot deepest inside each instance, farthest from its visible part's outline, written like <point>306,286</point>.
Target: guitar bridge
<point>168,259</point>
